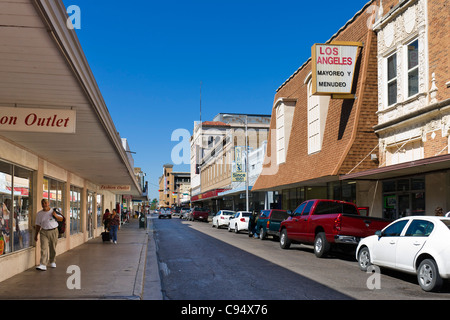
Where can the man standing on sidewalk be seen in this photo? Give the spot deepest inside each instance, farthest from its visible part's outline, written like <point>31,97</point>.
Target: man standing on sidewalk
<point>47,227</point>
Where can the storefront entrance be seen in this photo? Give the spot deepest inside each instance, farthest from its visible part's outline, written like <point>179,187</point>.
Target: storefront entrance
<point>90,215</point>
<point>403,197</point>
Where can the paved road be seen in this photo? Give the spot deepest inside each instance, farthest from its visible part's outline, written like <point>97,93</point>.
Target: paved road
<point>198,262</point>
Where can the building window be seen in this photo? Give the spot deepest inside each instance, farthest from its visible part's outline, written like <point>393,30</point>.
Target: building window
<point>403,197</point>
<point>16,205</point>
<point>90,214</point>
<point>413,68</point>
<point>54,192</point>
<point>75,210</point>
<point>406,152</point>
<point>281,153</point>
<point>99,209</point>
<point>317,113</point>
<point>392,79</point>
<point>314,144</point>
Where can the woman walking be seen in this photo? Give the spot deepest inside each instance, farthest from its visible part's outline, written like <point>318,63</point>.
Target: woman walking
<point>114,225</point>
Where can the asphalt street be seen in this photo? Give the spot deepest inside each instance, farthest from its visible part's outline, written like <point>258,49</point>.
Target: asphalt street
<point>198,262</point>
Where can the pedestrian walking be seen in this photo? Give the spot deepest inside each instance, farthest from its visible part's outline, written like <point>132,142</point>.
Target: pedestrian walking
<point>106,217</point>
<point>439,212</point>
<point>47,229</point>
<point>114,225</point>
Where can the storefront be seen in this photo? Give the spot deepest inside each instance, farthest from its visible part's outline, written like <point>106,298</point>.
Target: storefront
<point>406,189</point>
<point>57,139</point>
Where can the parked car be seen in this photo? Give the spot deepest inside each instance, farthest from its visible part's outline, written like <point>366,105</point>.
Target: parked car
<point>184,213</point>
<point>165,213</point>
<point>239,221</point>
<point>221,218</point>
<point>176,211</point>
<point>416,245</point>
<point>328,222</point>
<point>269,222</point>
<point>199,213</point>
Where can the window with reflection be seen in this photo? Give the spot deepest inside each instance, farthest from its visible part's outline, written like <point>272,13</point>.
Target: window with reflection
<point>53,190</point>
<point>99,209</point>
<point>16,206</point>
<point>75,210</point>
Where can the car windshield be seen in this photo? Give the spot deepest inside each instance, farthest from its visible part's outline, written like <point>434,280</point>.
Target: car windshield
<point>228,213</point>
<point>246,214</point>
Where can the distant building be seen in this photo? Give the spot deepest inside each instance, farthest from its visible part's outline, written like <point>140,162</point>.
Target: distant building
<point>174,188</point>
<point>213,153</point>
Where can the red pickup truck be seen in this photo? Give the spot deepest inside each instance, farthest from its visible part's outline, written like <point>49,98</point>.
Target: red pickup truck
<point>327,222</point>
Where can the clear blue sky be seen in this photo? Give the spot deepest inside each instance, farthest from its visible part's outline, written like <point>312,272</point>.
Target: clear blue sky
<point>149,58</point>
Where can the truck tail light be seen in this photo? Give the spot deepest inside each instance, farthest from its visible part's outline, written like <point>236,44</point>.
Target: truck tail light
<point>268,224</point>
<point>337,222</point>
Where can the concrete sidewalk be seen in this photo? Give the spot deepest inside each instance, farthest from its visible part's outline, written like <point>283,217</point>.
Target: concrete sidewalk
<point>127,270</point>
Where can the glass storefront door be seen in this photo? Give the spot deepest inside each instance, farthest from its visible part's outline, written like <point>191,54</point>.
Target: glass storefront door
<point>90,215</point>
<point>403,197</point>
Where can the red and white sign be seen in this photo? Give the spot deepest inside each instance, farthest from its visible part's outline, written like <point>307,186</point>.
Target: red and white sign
<point>334,67</point>
<point>37,120</point>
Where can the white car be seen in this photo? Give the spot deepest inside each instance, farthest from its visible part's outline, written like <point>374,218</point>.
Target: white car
<point>239,221</point>
<point>221,218</point>
<point>417,245</point>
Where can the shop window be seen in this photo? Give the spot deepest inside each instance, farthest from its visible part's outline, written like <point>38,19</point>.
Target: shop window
<point>54,192</point>
<point>75,210</point>
<point>90,214</point>
<point>15,219</point>
<point>404,197</point>
<point>99,210</point>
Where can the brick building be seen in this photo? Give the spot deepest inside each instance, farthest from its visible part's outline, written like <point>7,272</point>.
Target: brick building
<point>413,108</point>
<point>314,139</point>
<point>174,188</point>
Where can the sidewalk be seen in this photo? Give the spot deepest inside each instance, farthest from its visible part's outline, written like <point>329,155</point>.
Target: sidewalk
<point>127,270</point>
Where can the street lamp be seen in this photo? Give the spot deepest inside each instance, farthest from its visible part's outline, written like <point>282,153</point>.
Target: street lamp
<point>246,156</point>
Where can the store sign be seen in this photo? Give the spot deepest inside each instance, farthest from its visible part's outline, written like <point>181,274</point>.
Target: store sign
<point>37,120</point>
<point>111,187</point>
<point>238,177</point>
<point>333,67</point>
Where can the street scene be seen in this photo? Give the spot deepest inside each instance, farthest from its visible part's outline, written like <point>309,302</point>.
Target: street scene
<point>199,262</point>
<point>213,151</point>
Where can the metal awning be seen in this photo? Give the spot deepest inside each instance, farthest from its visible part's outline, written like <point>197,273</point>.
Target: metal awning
<point>42,66</point>
<point>427,165</point>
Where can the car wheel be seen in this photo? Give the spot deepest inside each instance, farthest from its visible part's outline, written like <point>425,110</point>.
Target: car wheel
<point>236,229</point>
<point>428,276</point>
<point>321,245</point>
<point>229,228</point>
<point>364,259</point>
<point>262,234</point>
<point>285,243</point>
